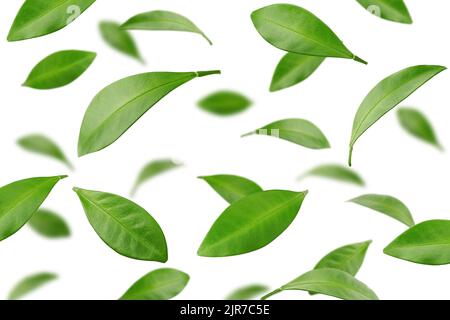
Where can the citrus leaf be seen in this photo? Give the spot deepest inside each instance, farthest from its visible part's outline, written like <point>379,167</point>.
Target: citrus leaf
<point>393,10</point>
<point>248,292</point>
<point>152,169</point>
<point>224,103</point>
<point>49,224</point>
<point>336,172</point>
<point>30,284</point>
<point>119,39</point>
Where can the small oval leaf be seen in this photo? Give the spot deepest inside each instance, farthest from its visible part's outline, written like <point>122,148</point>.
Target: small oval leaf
<point>152,169</point>
<point>426,243</point>
<point>298,131</point>
<point>20,200</point>
<point>230,187</point>
<point>292,69</point>
<point>30,284</point>
<point>388,205</point>
<point>251,223</point>
<point>45,146</point>
<point>393,10</point>
<point>294,29</point>
<point>124,226</point>
<point>224,103</point>
<point>161,284</point>
<point>336,172</point>
<point>248,292</point>
<point>49,224</point>
<point>415,123</point>
<point>41,17</point>
<point>388,94</point>
<point>331,282</point>
<point>163,20</point>
<point>118,106</point>
<point>119,39</point>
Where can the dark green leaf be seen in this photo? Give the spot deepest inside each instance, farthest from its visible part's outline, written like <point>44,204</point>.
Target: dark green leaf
<point>119,39</point>
<point>225,103</point>
<point>248,292</point>
<point>152,169</point>
<point>336,172</point>
<point>49,224</point>
<point>31,283</point>
<point>393,10</point>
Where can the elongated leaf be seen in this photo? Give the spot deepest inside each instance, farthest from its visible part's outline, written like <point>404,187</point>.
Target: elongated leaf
<point>153,169</point>
<point>230,187</point>
<point>393,10</point>
<point>248,292</point>
<point>292,69</point>
<point>20,200</point>
<point>40,17</point>
<point>162,20</point>
<point>388,205</point>
<point>336,172</point>
<point>251,223</point>
<point>124,226</point>
<point>30,284</point>
<point>43,145</point>
<point>161,284</point>
<point>426,243</point>
<point>331,282</point>
<point>224,103</point>
<point>386,95</point>
<point>49,224</point>
<point>294,29</point>
<point>117,107</point>
<point>415,123</point>
<point>119,39</point>
<point>298,131</point>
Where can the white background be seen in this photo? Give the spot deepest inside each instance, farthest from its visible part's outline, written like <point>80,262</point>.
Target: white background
<point>390,160</point>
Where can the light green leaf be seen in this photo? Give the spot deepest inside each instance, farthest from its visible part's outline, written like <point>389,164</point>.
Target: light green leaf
<point>152,169</point>
<point>298,131</point>
<point>40,17</point>
<point>415,123</point>
<point>393,10</point>
<point>224,103</point>
<point>386,95</point>
<point>425,243</point>
<point>248,292</point>
<point>331,282</point>
<point>49,224</point>
<point>124,226</point>
<point>161,284</point>
<point>163,20</point>
<point>230,187</point>
<point>119,39</point>
<point>336,172</point>
<point>117,107</point>
<point>45,146</point>
<point>294,29</point>
<point>388,205</point>
<point>292,69</point>
<point>30,284</point>
<point>20,200</point>
<point>251,223</point>
<point>59,69</point>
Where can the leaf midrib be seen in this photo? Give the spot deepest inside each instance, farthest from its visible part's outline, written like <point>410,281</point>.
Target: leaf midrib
<point>336,284</point>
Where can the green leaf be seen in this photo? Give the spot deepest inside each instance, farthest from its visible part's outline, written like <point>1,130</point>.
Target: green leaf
<point>386,95</point>
<point>348,258</point>
<point>117,107</point>
<point>388,205</point>
<point>292,69</point>
<point>163,20</point>
<point>298,131</point>
<point>224,103</point>
<point>31,283</point>
<point>152,169</point>
<point>415,123</point>
<point>161,284</point>
<point>59,69</point>
<point>43,145</point>
<point>336,172</point>
<point>393,10</point>
<point>40,17</point>
<point>425,243</point>
<point>248,292</point>
<point>251,223</point>
<point>331,282</point>
<point>230,187</point>
<point>20,200</point>
<point>119,39</point>
<point>124,226</point>
<point>294,29</point>
<point>49,224</point>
